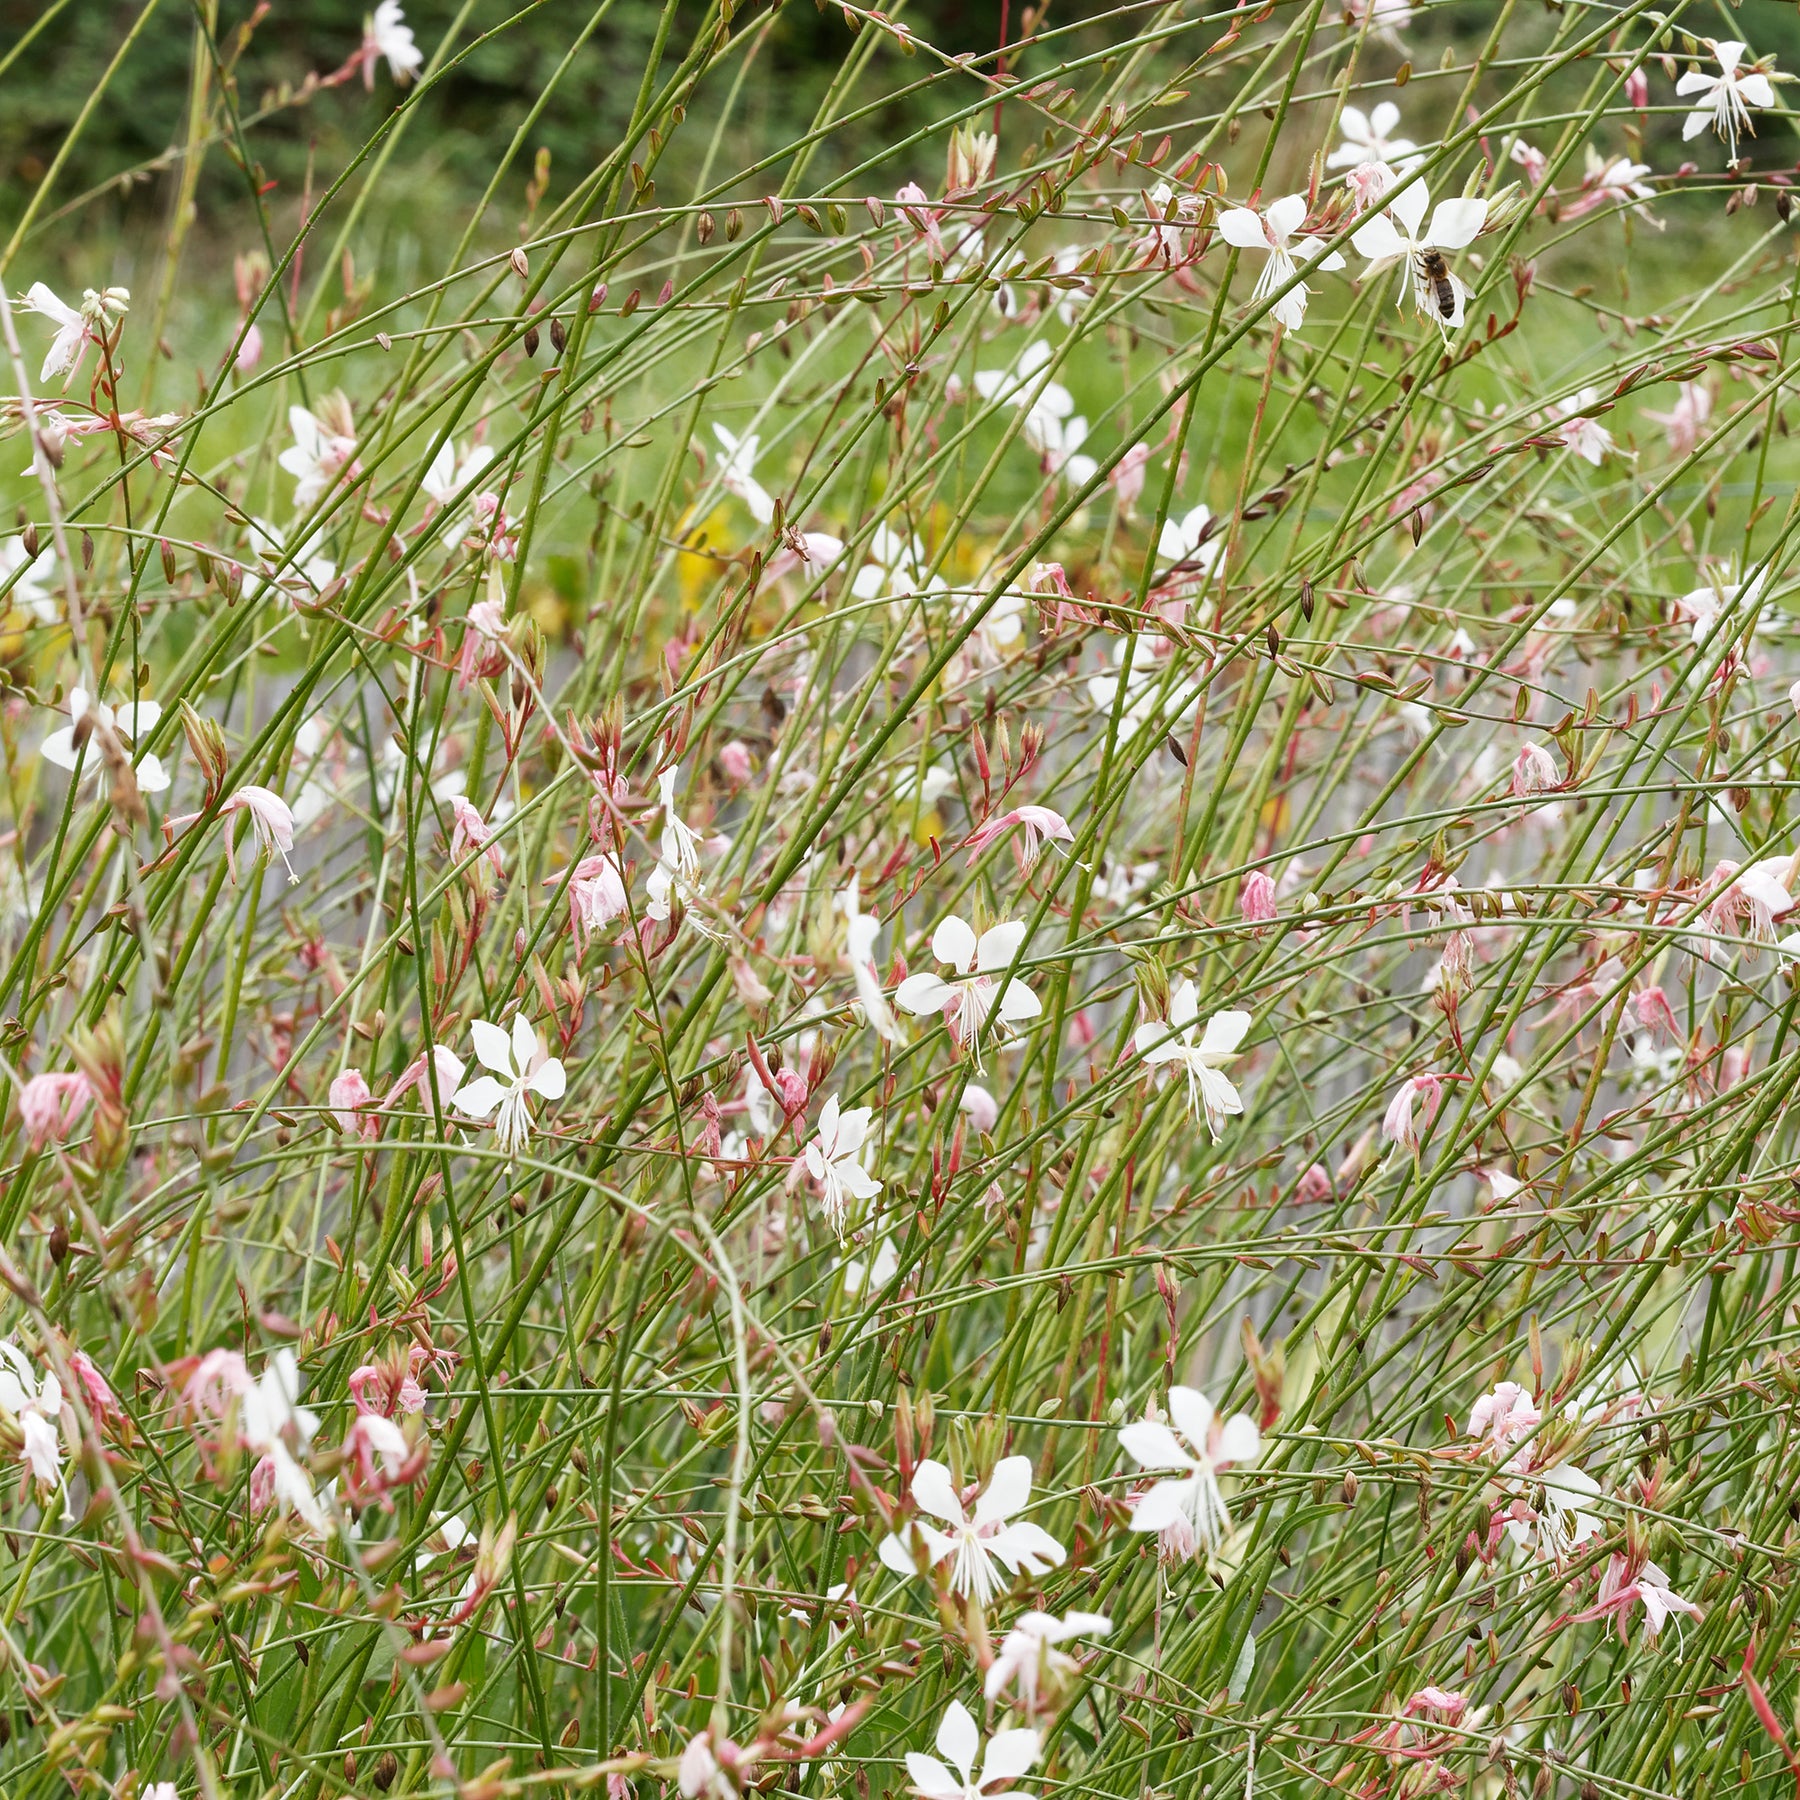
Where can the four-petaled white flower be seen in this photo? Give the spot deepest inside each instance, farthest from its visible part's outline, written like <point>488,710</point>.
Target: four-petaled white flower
<point>1394,236</point>
<point>521,1066</point>
<point>676,875</point>
<point>967,997</point>
<point>833,1160</point>
<point>391,37</point>
<point>978,1539</point>
<point>1211,1095</point>
<point>34,574</point>
<point>35,1408</point>
<point>1726,98</point>
<point>66,746</point>
<point>1007,1756</point>
<point>1188,1509</point>
<point>1368,138</point>
<point>1276,232</point>
<point>1028,1659</point>
<point>315,457</point>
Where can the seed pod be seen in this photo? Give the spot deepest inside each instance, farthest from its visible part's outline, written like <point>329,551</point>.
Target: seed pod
<point>734,225</point>
<point>703,228</point>
<point>531,340</point>
<point>559,335</point>
<point>387,1771</point>
<point>521,264</point>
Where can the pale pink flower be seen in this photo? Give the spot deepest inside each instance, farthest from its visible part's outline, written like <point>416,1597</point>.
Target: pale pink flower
<point>1007,1756</point>
<point>1613,180</point>
<point>1314,1185</point>
<point>250,350</point>
<point>977,1539</point>
<point>834,1161</point>
<point>1637,90</point>
<point>271,821</point>
<point>1654,1013</point>
<point>735,763</point>
<point>1127,476</point>
<point>75,329</point>
<point>1504,1417</point>
<point>1256,898</point>
<point>915,206</point>
<point>378,1459</point>
<point>50,1105</point>
<point>483,644</point>
<point>1531,159</point>
<point>982,1108</point>
<point>596,897</point>
<point>35,1406</point>
<point>1399,1125</point>
<point>1028,1660</point>
<point>1369,138</point>
<point>1534,771</point>
<point>1189,1506</point>
<point>101,1401</point>
<point>470,832</point>
<point>349,1097</point>
<point>315,458</point>
<point>1586,436</point>
<point>1620,1590</point>
<point>1037,823</point>
<point>1686,419</point>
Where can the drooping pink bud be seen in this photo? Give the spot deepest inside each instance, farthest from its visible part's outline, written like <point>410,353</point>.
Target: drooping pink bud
<point>1534,770</point>
<point>349,1096</point>
<point>1256,898</point>
<point>1637,90</point>
<point>1654,1012</point>
<point>49,1106</point>
<point>736,762</point>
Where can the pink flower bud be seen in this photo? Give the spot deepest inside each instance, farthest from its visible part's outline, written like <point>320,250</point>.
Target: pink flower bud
<point>1637,90</point>
<point>349,1095</point>
<point>49,1105</point>
<point>1654,1012</point>
<point>1256,898</point>
<point>981,1106</point>
<point>1314,1185</point>
<point>736,762</point>
<point>249,351</point>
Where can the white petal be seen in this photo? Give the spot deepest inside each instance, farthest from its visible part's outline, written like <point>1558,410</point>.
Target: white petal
<point>958,1737</point>
<point>1240,226</point>
<point>1457,222</point>
<point>1009,1755</point>
<point>954,943</point>
<point>1007,1492</point>
<point>1224,1032</point>
<point>1408,207</point>
<point>1240,1441</point>
<point>1019,1002</point>
<point>1286,215</point>
<point>931,1778</point>
<point>1377,239</point>
<point>524,1044</point>
<point>493,1049</point>
<point>550,1081</point>
<point>921,994</point>
<point>999,945</point>
<point>1165,1503</point>
<point>1153,1445</point>
<point>1193,1414</point>
<point>935,1492</point>
<point>480,1097</point>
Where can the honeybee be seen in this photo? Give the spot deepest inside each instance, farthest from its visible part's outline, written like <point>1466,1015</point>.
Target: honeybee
<point>1435,273</point>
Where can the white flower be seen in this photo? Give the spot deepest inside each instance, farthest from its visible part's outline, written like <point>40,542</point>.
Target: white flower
<point>69,345</point>
<point>968,996</point>
<point>271,820</point>
<point>1704,607</point>
<point>1588,438</point>
<point>270,1419</point>
<point>1276,232</point>
<point>394,40</point>
<point>1007,1756</point>
<point>677,872</point>
<point>1726,98</point>
<point>35,573</point>
<point>833,1161</point>
<point>1183,540</point>
<point>1145,702</point>
<point>1028,1658</point>
<point>451,476</point>
<point>129,723</point>
<point>737,474</point>
<point>35,1407</point>
<point>1210,1093</point>
<point>874,1274</point>
<point>1387,18</point>
<point>1189,1507</point>
<point>523,1066</point>
<point>1393,236</point>
<point>979,1539</point>
<point>1560,1523</point>
<point>895,569</point>
<point>1617,178</point>
<point>1368,139</point>
<point>1010,385</point>
<point>1162,242</point>
<point>315,456</point>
